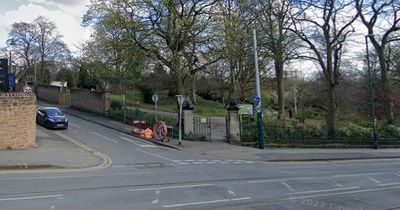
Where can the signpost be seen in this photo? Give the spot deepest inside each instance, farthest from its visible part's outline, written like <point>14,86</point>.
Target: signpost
<point>27,89</point>
<point>155,98</point>
<point>180,99</point>
<point>11,82</point>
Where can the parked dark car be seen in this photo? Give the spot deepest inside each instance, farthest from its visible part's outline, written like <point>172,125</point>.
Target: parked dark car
<point>51,117</point>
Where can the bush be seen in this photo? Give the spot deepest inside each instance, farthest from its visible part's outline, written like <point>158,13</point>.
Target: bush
<point>116,105</point>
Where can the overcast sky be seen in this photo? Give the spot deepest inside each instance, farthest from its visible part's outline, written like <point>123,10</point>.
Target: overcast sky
<point>67,14</point>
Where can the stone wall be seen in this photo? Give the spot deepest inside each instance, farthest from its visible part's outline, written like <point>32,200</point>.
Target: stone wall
<point>92,101</point>
<point>17,120</point>
<point>50,94</point>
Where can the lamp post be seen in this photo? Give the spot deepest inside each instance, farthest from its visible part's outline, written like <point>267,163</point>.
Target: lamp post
<point>260,123</point>
<point>10,42</point>
<point>371,94</point>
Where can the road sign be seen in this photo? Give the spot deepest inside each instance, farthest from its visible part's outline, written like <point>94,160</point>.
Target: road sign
<point>27,89</point>
<point>11,81</point>
<point>154,98</point>
<point>180,98</point>
<point>256,100</point>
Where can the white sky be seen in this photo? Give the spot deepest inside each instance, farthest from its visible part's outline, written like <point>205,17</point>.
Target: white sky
<point>67,15</point>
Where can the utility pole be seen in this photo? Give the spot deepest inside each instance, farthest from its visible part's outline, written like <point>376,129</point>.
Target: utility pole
<point>259,109</point>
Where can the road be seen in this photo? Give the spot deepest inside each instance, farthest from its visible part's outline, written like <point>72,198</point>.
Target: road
<point>140,175</point>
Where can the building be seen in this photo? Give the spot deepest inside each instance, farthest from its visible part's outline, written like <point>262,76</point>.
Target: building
<point>293,74</point>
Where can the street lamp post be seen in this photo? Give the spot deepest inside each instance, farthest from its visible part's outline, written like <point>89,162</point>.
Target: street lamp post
<point>260,123</point>
<point>371,94</point>
<point>10,42</point>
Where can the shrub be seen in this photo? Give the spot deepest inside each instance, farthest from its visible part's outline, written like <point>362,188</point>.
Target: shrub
<point>116,105</point>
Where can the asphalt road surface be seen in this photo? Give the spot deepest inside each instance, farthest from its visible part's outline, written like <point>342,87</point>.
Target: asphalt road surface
<point>140,175</point>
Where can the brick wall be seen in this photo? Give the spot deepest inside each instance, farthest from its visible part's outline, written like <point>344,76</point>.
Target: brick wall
<point>17,120</point>
<point>50,94</point>
<point>91,101</point>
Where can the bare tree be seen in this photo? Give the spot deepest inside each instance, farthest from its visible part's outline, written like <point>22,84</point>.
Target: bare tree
<point>51,48</point>
<point>324,27</point>
<point>24,36</point>
<point>279,42</point>
<point>382,20</point>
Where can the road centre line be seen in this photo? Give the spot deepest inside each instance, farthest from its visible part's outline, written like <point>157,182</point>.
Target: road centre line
<point>361,174</point>
<point>344,193</point>
<point>278,180</point>
<point>171,187</point>
<point>31,197</point>
<point>105,137</point>
<point>205,202</point>
<point>326,190</point>
<point>137,144</point>
<point>155,155</point>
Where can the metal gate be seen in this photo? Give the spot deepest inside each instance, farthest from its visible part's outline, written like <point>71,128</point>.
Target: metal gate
<point>202,128</point>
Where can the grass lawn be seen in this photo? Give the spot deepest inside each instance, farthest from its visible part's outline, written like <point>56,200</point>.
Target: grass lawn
<point>204,107</point>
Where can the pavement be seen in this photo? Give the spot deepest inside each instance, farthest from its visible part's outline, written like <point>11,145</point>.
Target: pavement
<point>55,152</point>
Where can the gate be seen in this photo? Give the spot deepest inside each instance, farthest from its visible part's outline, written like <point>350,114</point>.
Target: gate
<point>202,128</point>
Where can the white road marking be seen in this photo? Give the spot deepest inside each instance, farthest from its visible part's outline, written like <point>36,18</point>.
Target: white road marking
<point>197,163</point>
<point>374,180</point>
<point>171,187</point>
<point>105,137</point>
<point>195,203</point>
<point>336,183</point>
<point>240,199</point>
<point>277,180</point>
<point>183,163</point>
<point>148,146</point>
<point>120,166</point>
<point>364,174</point>
<point>327,190</point>
<point>156,200</point>
<point>388,184</point>
<point>344,193</point>
<point>154,165</point>
<point>231,192</point>
<point>205,202</point>
<point>133,142</point>
<point>287,186</point>
<point>31,197</point>
<point>396,174</point>
<point>155,155</point>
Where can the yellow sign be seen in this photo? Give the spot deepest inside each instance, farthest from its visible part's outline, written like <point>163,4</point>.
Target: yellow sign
<point>203,120</point>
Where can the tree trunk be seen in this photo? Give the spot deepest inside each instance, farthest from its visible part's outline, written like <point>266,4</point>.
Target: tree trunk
<point>232,86</point>
<point>331,115</point>
<point>176,69</point>
<point>387,107</point>
<point>279,82</point>
<point>194,89</point>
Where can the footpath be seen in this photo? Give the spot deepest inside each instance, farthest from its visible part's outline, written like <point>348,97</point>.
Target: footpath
<point>221,149</point>
<point>53,152</point>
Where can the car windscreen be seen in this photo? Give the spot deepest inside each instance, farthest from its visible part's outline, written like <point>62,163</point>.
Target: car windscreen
<point>54,112</point>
